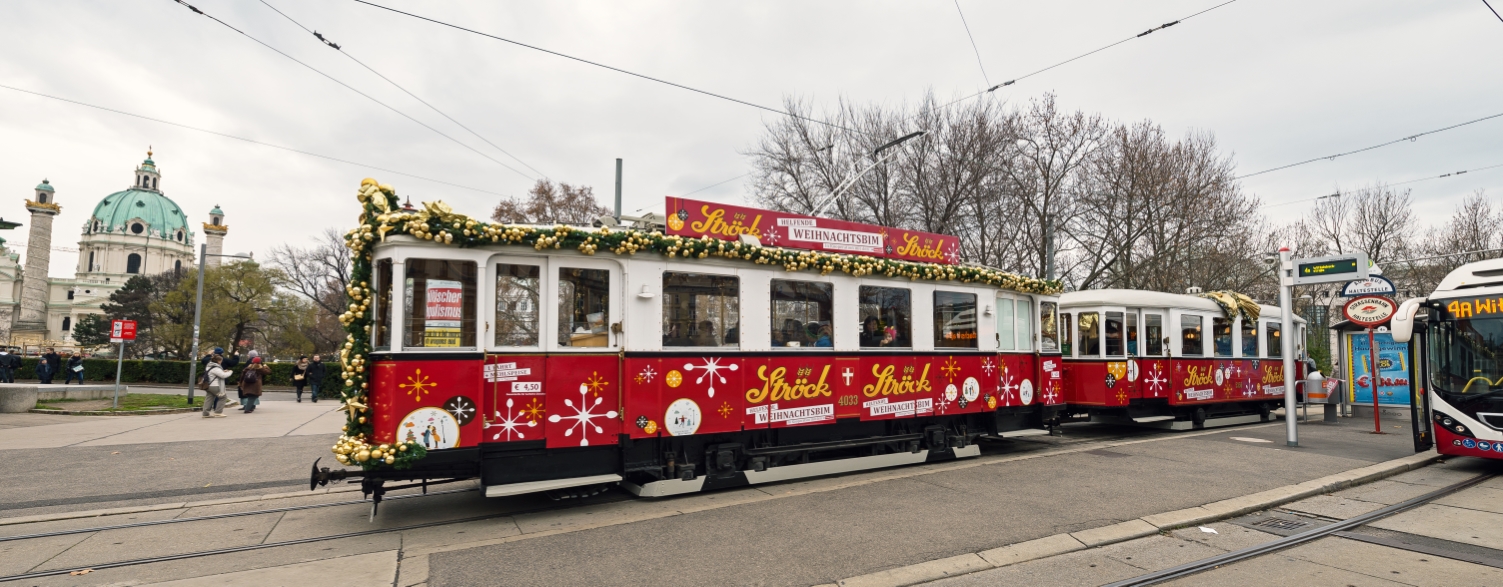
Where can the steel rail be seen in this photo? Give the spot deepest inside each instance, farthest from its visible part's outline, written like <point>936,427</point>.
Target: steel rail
<point>223,516</point>
<point>1295,540</point>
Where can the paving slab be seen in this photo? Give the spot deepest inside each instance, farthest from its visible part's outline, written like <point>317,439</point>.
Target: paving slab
<point>1484,499</point>
<point>1386,492</point>
<point>1228,537</point>
<point>152,541</point>
<point>1067,570</point>
<point>229,563</point>
<point>1332,506</point>
<point>1280,569</point>
<point>1449,523</point>
<point>1031,550</point>
<point>1157,552</point>
<point>24,556</point>
<point>1410,568</point>
<point>361,570</point>
<point>1115,533</point>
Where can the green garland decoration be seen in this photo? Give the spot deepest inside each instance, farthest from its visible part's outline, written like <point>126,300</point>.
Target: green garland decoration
<point>381,216</point>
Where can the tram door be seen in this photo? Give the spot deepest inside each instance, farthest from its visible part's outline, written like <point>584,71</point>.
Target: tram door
<point>583,385</point>
<point>514,403</point>
<point>1118,333</point>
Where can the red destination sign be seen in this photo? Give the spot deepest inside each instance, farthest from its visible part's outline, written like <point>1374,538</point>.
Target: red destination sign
<point>1369,311</point>
<point>123,329</point>
<point>694,218</point>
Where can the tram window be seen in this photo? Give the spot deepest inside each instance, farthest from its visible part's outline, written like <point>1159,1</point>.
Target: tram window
<point>701,310</point>
<point>1067,336</point>
<point>1049,326</point>
<point>517,307</point>
<point>1114,334</point>
<point>1190,340</point>
<point>440,303</point>
<point>1025,325</point>
<point>801,314</point>
<point>1090,334</point>
<point>1006,336</point>
<point>954,320</point>
<point>1222,328</point>
<point>584,301</point>
<point>886,319</point>
<point>1249,338</point>
<point>1132,334</point>
<point>381,329</point>
<point>1273,340</point>
<point>1153,328</point>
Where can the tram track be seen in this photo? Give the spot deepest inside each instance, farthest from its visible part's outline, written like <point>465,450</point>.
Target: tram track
<point>1335,529</point>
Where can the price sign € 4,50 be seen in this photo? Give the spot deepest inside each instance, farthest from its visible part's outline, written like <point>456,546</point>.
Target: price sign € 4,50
<point>122,330</point>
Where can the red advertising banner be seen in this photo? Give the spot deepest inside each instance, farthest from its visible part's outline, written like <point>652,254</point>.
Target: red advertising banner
<point>694,218</point>
<point>123,330</point>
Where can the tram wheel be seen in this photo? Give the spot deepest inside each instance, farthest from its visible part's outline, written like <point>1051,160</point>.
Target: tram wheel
<point>1199,418</point>
<point>1265,412</point>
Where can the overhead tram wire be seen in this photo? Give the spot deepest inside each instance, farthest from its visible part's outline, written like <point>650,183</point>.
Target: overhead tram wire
<point>1377,146</point>
<point>1490,7</point>
<point>716,184</point>
<point>615,69</point>
<point>1072,59</point>
<point>253,141</point>
<point>342,51</point>
<point>1405,182</point>
<point>974,48</point>
<point>352,89</point>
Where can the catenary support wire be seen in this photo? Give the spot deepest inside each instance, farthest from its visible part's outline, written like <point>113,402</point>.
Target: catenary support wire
<point>1369,148</point>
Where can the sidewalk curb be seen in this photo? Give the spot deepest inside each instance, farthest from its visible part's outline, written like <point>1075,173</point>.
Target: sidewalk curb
<point>146,412</point>
<point>1121,532</point>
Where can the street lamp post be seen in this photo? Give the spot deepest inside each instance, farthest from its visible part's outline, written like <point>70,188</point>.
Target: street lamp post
<point>198,305</point>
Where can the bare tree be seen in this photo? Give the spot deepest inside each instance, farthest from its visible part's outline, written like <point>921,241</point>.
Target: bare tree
<point>317,271</point>
<point>550,204</point>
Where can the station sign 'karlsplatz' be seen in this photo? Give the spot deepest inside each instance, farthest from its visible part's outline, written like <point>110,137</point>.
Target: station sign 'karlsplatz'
<point>694,218</point>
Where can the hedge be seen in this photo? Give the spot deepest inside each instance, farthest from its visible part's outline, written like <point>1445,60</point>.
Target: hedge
<point>176,372</point>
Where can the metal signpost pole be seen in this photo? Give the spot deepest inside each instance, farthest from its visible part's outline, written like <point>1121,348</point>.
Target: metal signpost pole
<point>1372,351</point>
<point>119,361</point>
<point>203,254</point>
<point>1286,342</point>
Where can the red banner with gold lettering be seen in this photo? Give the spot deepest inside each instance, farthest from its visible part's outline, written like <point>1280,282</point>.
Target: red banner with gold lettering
<point>694,218</point>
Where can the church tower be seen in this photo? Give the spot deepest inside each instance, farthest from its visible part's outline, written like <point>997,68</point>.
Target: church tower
<point>214,231</point>
<point>32,323</point>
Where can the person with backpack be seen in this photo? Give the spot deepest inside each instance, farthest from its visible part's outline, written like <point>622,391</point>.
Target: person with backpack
<point>213,387</point>
<point>251,380</point>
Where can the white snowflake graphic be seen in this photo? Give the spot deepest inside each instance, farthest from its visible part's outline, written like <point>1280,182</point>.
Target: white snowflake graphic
<point>711,370</point>
<point>1249,389</point>
<point>509,424</point>
<point>770,236</point>
<point>1007,388</point>
<point>1156,380</point>
<point>987,366</point>
<point>583,416</point>
<point>647,374</point>
<point>953,254</point>
<point>1050,397</point>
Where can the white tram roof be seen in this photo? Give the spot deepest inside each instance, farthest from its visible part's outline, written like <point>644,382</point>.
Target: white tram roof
<point>1472,279</point>
<point>1138,298</point>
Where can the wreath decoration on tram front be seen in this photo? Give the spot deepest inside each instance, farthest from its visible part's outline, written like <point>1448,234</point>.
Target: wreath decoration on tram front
<point>381,215</point>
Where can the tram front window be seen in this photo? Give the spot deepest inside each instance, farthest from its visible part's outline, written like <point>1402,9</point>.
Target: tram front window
<point>1049,327</point>
<point>885,315</point>
<point>701,310</point>
<point>440,303</point>
<point>801,314</point>
<point>1466,365</point>
<point>584,301</point>
<point>381,330</point>
<point>517,288</point>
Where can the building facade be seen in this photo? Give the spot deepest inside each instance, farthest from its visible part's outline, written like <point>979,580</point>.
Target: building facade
<point>135,231</point>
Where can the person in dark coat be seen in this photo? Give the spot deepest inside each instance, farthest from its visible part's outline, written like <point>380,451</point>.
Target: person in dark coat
<point>44,372</point>
<point>315,375</point>
<point>300,376</point>
<point>54,364</point>
<point>7,374</point>
<point>74,370</point>
<point>251,380</point>
<point>15,367</point>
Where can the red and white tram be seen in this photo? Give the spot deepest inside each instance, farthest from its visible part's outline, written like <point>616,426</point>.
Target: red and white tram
<point>538,368</point>
<point>1171,360</point>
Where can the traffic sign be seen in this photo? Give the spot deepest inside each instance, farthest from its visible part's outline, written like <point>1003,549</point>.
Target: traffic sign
<point>121,330</point>
<point>1330,269</point>
<point>1373,284</point>
<point>1369,311</point>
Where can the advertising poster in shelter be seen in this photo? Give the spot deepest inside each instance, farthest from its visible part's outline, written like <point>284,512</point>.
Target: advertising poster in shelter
<point>694,218</point>
<point>445,308</point>
<point>1393,370</point>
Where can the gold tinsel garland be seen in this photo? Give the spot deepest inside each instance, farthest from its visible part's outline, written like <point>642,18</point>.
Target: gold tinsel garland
<point>435,221</point>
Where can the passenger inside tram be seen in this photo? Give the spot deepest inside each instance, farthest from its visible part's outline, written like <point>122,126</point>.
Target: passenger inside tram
<point>705,334</point>
<point>826,337</point>
<point>791,334</point>
<point>873,335</point>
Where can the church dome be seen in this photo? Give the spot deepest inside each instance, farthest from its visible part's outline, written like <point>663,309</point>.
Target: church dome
<point>45,186</point>
<point>143,212</point>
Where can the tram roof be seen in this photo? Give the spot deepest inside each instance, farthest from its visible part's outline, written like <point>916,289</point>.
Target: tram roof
<point>1151,299</point>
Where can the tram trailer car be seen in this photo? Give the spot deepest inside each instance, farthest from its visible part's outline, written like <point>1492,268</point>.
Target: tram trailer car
<point>1171,360</point>
<point>566,372</point>
<point>1461,340</point>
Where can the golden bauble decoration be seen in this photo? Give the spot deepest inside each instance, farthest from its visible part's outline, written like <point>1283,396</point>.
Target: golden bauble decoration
<point>391,460</point>
<point>362,456</point>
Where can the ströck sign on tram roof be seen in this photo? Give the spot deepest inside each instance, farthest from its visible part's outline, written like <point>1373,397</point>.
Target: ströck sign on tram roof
<point>696,218</point>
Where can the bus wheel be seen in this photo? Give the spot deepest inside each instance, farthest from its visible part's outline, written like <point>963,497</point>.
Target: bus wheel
<point>1199,418</point>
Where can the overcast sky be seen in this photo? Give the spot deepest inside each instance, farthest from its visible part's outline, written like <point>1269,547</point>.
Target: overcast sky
<point>1276,81</point>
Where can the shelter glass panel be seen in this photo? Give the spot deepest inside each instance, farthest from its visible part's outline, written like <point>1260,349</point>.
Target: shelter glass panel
<point>954,320</point>
<point>1025,325</point>
<point>1222,329</point>
<point>1272,339</point>
<point>801,314</point>
<point>518,314</point>
<point>1249,338</point>
<point>886,317</point>
<point>1191,344</point>
<point>1006,335</point>
<point>440,301</point>
<point>1153,329</point>
<point>1114,332</point>
<point>381,329</point>
<point>701,310</point>
<point>584,302</point>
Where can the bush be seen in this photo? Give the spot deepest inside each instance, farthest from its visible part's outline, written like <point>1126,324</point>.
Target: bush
<point>176,372</point>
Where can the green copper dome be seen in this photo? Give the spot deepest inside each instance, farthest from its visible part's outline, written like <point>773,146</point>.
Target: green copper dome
<point>156,213</point>
<point>44,186</point>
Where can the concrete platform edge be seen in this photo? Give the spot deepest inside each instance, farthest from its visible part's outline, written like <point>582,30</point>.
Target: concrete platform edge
<point>1113,533</point>
<point>167,506</point>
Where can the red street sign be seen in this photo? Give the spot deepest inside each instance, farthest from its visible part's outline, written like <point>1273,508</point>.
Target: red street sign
<point>123,329</point>
<point>1369,311</point>
<point>696,219</point>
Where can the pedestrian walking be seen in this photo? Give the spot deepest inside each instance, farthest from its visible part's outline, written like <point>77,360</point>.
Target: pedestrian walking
<point>214,396</point>
<point>315,375</point>
<point>15,367</point>
<point>43,370</point>
<point>75,368</point>
<point>54,364</point>
<point>251,381</point>
<point>300,376</point>
<point>7,375</point>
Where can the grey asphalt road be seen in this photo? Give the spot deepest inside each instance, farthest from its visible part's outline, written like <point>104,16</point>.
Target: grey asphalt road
<point>823,537</point>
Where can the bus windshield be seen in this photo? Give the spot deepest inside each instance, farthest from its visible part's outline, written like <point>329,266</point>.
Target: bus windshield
<point>1466,357</point>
